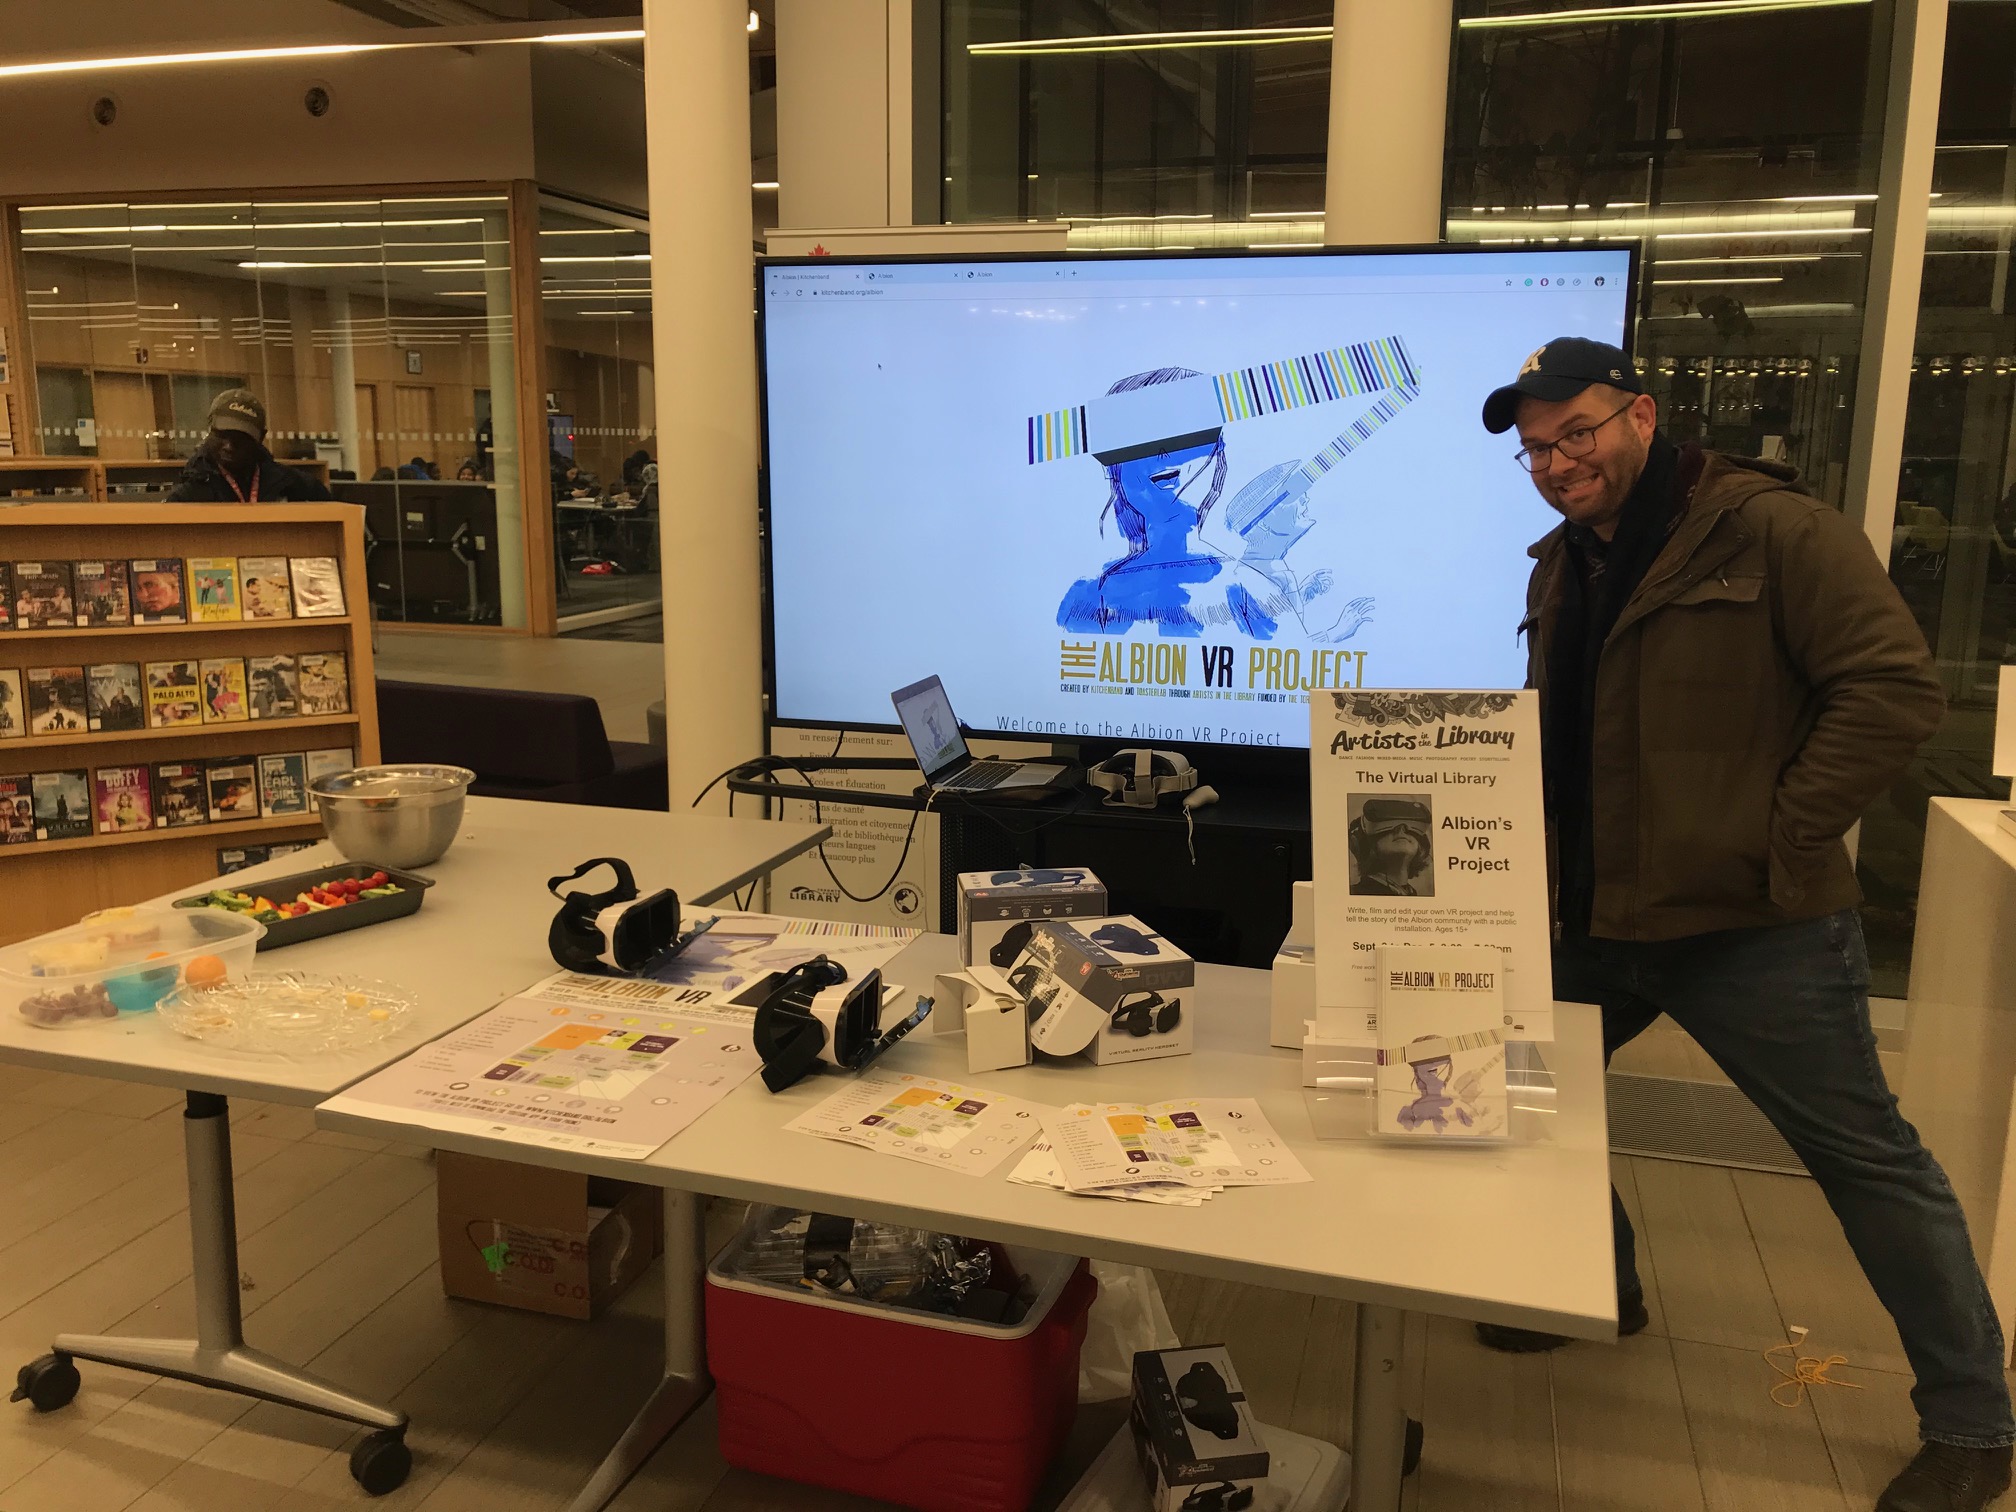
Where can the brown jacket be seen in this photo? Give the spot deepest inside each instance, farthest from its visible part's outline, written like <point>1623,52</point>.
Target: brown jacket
<point>1761,687</point>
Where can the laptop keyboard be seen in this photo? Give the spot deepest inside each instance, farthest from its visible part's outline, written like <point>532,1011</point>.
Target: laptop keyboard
<point>983,774</point>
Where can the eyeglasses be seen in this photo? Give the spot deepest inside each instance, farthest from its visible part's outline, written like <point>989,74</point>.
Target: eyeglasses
<point>1579,442</point>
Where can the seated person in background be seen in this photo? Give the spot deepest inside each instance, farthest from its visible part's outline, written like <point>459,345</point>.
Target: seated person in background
<point>571,480</point>
<point>383,475</point>
<point>633,470</point>
<point>233,466</point>
<point>467,472</point>
<point>420,470</point>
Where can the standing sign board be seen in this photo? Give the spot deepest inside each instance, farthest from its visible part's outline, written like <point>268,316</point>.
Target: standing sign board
<point>1429,831</point>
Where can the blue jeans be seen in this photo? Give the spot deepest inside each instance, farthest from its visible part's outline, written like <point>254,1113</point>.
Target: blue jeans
<point>1784,1011</point>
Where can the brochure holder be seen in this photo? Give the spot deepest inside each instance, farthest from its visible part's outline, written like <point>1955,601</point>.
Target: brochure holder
<point>1341,1091</point>
<point>1431,1058</point>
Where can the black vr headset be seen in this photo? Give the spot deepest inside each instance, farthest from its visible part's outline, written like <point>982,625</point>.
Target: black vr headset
<point>616,932</point>
<point>1143,1013</point>
<point>1206,1402</point>
<point>1224,1497</point>
<point>812,1015</point>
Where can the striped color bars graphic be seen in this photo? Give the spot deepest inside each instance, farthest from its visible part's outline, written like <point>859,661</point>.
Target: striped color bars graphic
<point>1364,367</point>
<point>1360,431</point>
<point>1057,434</point>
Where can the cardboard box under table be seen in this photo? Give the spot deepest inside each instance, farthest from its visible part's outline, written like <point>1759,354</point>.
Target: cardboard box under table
<point>548,1241</point>
<point>938,1413</point>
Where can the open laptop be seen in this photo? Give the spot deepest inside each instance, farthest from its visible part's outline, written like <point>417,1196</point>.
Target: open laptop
<point>927,718</point>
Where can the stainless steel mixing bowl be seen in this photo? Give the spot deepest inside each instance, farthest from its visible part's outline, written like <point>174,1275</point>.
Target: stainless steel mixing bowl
<point>402,816</point>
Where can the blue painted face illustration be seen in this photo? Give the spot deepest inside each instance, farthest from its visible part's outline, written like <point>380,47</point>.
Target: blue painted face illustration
<point>1164,490</point>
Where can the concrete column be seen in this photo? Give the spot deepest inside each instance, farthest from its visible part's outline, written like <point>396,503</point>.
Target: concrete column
<point>844,138</point>
<point>1896,267</point>
<point>696,83</point>
<point>501,332</point>
<point>1389,104</point>
<point>343,380</point>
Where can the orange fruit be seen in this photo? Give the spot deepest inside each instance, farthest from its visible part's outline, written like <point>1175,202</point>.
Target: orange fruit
<point>204,972</point>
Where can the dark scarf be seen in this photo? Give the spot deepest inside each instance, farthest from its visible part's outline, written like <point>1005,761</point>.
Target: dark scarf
<point>1599,578</point>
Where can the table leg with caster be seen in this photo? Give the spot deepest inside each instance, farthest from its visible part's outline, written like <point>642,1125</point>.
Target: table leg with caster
<point>686,1383</point>
<point>1385,1441</point>
<point>218,1355</point>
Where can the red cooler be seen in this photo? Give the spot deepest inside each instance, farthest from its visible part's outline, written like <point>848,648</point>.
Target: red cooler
<point>937,1413</point>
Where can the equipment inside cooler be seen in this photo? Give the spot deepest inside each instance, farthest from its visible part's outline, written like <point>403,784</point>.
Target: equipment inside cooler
<point>886,1264</point>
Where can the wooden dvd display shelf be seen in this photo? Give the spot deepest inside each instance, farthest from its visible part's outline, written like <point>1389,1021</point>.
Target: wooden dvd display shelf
<point>179,673</point>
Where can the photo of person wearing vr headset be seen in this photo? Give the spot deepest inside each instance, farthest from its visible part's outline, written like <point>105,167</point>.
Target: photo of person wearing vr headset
<point>1392,852</point>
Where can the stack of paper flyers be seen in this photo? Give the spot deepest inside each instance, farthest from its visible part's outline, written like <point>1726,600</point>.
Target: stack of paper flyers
<point>937,1123</point>
<point>1040,1168</point>
<point>1442,1042</point>
<point>1205,1143</point>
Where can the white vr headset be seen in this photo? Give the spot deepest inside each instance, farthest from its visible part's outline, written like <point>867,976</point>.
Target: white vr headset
<point>1138,777</point>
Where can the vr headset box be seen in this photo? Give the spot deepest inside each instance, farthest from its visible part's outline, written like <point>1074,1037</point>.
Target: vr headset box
<point>998,908</point>
<point>1199,1448</point>
<point>1109,988</point>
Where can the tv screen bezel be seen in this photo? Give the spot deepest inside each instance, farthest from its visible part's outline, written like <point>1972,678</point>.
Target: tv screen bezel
<point>1633,247</point>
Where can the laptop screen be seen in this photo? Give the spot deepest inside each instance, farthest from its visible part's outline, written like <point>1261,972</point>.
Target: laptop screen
<point>927,719</point>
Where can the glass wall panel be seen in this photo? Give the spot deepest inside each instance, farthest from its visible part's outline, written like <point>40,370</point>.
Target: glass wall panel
<point>373,329</point>
<point>1953,548</point>
<point>595,290</point>
<point>1742,148</point>
<point>1150,143</point>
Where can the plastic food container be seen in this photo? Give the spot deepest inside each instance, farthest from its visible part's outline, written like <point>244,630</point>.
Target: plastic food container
<point>937,1413</point>
<point>314,926</point>
<point>122,961</point>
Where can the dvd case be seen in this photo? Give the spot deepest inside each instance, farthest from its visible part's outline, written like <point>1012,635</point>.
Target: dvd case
<point>318,587</point>
<point>17,810</point>
<point>324,682</point>
<point>62,804</point>
<point>124,799</point>
<point>113,697</point>
<point>283,783</point>
<point>56,701</point>
<point>174,694</point>
<point>330,762</point>
<point>271,682</point>
<point>44,596</point>
<point>223,690</point>
<point>233,788</point>
<point>213,589</point>
<point>157,592</point>
<point>264,588</point>
<point>104,594</point>
<point>179,796</point>
<point>13,707</point>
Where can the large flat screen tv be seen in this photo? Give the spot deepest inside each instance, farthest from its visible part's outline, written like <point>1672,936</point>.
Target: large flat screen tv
<point>1152,498</point>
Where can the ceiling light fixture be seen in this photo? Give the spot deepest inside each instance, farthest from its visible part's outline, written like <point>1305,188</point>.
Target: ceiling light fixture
<point>1247,36</point>
<point>1670,10</point>
<point>623,30</point>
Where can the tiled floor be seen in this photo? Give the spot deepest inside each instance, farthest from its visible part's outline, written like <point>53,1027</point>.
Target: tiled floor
<point>512,1410</point>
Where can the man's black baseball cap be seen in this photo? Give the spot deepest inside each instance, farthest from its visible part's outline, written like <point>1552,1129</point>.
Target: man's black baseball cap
<point>1560,370</point>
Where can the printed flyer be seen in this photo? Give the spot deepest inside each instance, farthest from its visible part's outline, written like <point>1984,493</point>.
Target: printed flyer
<point>936,1123</point>
<point>614,1065</point>
<point>1429,830</point>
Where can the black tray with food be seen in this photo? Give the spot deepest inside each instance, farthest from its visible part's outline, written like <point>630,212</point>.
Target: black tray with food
<point>327,901</point>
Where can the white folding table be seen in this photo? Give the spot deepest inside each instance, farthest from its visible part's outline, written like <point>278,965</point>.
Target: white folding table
<point>1517,1235</point>
<point>480,936</point>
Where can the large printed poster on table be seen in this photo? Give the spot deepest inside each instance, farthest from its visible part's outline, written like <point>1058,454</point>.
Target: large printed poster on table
<point>1429,829</point>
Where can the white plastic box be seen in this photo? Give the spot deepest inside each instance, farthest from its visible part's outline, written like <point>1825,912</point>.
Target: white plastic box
<point>121,962</point>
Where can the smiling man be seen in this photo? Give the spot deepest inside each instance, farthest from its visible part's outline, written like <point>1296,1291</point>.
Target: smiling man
<point>1727,679</point>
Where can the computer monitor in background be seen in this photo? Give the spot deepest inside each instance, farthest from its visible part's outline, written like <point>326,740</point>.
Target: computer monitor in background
<point>1153,497</point>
